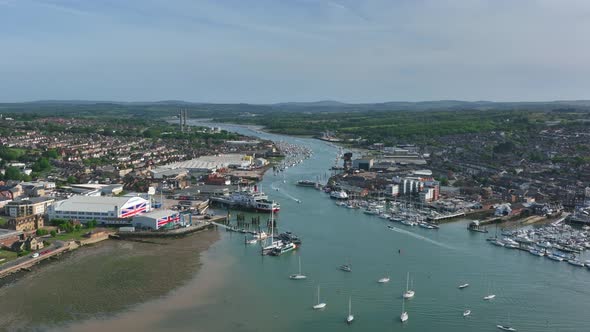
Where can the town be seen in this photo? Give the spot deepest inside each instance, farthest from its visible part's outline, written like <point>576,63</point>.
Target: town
<point>71,181</point>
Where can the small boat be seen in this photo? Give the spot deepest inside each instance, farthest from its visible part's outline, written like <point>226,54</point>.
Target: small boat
<point>404,316</point>
<point>555,257</point>
<point>298,276</point>
<point>463,286</point>
<point>319,305</point>
<point>575,262</point>
<point>505,328</point>
<point>350,317</point>
<point>466,313</point>
<point>489,297</point>
<point>390,227</point>
<point>252,241</point>
<point>345,268</point>
<point>383,280</point>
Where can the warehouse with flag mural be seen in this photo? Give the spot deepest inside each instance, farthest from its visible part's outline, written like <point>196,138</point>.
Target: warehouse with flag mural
<point>157,219</point>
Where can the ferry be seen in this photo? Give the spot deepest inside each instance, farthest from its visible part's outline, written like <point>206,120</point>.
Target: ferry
<point>306,183</point>
<point>255,200</point>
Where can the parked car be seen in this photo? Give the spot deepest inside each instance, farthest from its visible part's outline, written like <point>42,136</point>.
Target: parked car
<point>35,255</point>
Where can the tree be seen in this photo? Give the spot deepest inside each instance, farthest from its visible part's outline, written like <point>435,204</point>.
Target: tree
<point>53,233</point>
<point>12,173</point>
<point>71,179</point>
<point>41,232</point>
<point>91,223</point>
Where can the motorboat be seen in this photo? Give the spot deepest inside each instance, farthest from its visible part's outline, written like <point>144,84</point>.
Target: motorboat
<point>575,262</point>
<point>466,313</point>
<point>383,280</point>
<point>555,257</point>
<point>506,328</point>
<point>463,286</point>
<point>346,268</point>
<point>489,297</point>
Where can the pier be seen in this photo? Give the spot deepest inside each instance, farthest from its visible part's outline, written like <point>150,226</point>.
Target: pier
<point>447,216</point>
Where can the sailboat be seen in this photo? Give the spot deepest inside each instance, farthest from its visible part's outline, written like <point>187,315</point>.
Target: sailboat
<point>350,317</point>
<point>319,305</point>
<point>408,294</point>
<point>404,316</point>
<point>273,244</point>
<point>298,276</point>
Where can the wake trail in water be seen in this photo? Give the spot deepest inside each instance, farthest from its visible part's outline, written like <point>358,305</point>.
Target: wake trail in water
<point>284,193</point>
<point>420,237</point>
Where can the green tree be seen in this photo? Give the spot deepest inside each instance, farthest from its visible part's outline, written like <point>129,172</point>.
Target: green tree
<point>12,173</point>
<point>53,233</point>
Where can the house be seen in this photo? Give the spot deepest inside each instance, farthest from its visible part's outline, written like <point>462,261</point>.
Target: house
<point>30,244</point>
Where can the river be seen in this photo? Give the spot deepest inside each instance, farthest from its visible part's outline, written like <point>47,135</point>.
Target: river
<point>239,290</point>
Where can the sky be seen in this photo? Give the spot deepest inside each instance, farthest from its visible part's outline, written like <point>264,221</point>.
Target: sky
<point>268,51</point>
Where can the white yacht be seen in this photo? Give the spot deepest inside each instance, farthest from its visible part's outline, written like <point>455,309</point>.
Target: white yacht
<point>339,194</point>
<point>298,276</point>
<point>506,328</point>
<point>489,297</point>
<point>404,315</point>
<point>319,305</point>
<point>408,294</point>
<point>463,286</point>
<point>350,316</point>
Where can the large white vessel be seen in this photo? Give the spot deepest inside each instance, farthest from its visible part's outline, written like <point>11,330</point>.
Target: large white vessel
<point>248,199</point>
<point>339,194</point>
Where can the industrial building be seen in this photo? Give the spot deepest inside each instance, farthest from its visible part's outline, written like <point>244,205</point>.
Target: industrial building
<point>157,219</point>
<point>105,210</point>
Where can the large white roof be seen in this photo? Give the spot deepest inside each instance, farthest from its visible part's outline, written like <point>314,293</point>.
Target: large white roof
<point>95,203</point>
<point>210,162</point>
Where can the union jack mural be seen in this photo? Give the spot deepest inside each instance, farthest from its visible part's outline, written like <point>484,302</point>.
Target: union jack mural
<point>170,219</point>
<point>131,211</point>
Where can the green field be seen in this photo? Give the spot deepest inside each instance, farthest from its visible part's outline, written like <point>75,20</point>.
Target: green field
<point>7,256</point>
<point>75,235</point>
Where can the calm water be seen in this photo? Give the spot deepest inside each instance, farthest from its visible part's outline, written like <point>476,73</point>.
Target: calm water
<point>239,290</point>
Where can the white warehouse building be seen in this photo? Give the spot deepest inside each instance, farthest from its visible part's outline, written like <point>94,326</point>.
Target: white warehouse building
<point>105,210</point>
<point>157,219</point>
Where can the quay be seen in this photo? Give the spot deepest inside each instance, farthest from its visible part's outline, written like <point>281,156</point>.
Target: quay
<point>447,216</point>
<point>202,224</point>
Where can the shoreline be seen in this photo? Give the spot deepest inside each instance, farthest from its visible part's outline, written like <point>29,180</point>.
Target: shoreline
<point>143,316</point>
<point>141,273</point>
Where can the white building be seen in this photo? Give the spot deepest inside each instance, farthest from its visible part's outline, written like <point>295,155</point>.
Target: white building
<point>157,219</point>
<point>392,190</point>
<point>107,210</point>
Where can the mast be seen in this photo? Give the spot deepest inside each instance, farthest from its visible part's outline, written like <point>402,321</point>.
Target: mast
<point>318,294</point>
<point>407,280</point>
<point>299,265</point>
<point>349,306</point>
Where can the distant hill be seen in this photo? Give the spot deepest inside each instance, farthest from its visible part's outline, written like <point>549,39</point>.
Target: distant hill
<point>197,109</point>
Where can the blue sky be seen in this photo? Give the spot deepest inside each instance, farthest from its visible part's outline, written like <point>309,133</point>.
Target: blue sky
<point>261,51</point>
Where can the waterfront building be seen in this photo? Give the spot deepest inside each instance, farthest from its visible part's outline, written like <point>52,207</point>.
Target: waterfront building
<point>157,219</point>
<point>27,207</point>
<point>105,210</point>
